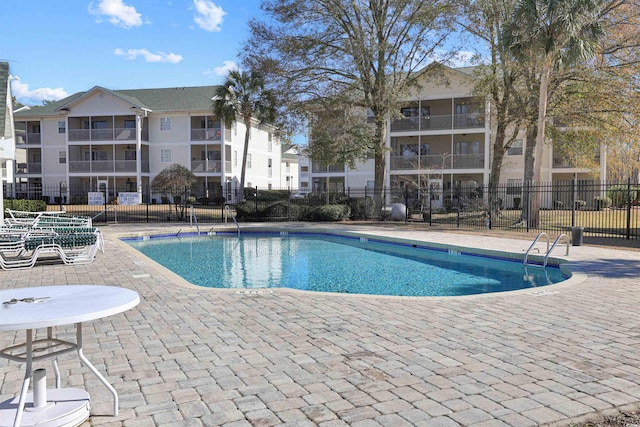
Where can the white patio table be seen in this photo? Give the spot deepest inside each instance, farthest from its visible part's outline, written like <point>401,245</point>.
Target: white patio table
<point>46,307</point>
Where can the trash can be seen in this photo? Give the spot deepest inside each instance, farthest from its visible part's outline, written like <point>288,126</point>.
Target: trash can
<point>576,235</point>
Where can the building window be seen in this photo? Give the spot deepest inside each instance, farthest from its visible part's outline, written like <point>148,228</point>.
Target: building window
<point>165,123</point>
<point>515,149</point>
<point>165,156</point>
<point>269,165</point>
<point>131,124</point>
<point>304,168</point>
<point>248,161</point>
<point>62,126</point>
<point>62,157</point>
<point>235,158</point>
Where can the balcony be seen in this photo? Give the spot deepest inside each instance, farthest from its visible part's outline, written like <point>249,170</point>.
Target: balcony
<point>469,121</point>
<point>440,122</point>
<point>28,168</point>
<point>206,134</point>
<point>317,168</point>
<point>468,161</point>
<point>417,163</point>
<point>28,138</point>
<point>100,166</point>
<point>206,166</point>
<point>109,134</point>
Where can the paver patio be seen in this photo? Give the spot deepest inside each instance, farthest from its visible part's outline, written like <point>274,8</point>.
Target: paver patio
<point>189,356</point>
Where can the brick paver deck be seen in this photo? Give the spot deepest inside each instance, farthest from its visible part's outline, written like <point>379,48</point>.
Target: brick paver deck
<point>189,356</point>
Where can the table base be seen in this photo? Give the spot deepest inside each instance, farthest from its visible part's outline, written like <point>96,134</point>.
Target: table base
<point>68,407</point>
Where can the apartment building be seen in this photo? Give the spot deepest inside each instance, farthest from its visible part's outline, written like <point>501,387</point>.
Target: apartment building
<point>119,140</point>
<point>443,141</point>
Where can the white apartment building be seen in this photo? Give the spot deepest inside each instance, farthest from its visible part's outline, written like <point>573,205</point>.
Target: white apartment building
<point>119,140</point>
<point>443,141</point>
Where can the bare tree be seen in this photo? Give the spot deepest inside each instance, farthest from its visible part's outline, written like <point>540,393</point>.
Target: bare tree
<point>369,53</point>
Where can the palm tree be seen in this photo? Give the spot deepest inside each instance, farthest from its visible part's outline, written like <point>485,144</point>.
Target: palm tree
<point>244,95</point>
<point>551,34</point>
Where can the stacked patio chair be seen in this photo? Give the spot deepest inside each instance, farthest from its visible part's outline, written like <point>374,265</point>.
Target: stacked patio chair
<point>27,237</point>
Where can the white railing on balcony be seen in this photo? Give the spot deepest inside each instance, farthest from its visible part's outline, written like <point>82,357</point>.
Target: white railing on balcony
<point>82,166</point>
<point>125,165</point>
<point>29,139</point>
<point>206,134</point>
<point>25,168</point>
<point>434,161</point>
<point>206,166</point>
<point>110,134</point>
<point>468,161</point>
<point>468,121</point>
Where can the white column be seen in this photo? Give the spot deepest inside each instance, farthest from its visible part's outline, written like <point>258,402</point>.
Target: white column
<point>139,155</point>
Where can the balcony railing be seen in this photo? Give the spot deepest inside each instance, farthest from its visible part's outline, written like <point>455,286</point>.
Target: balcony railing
<point>206,134</point>
<point>468,161</point>
<point>324,169</point>
<point>29,139</point>
<point>110,134</point>
<point>460,161</point>
<point>460,121</point>
<point>206,166</point>
<point>469,121</point>
<point>86,166</point>
<point>422,162</point>
<point>26,168</point>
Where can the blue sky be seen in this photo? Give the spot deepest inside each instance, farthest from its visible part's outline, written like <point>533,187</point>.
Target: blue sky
<point>56,48</point>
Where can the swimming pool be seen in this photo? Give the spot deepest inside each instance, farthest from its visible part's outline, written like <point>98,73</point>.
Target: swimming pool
<point>330,263</point>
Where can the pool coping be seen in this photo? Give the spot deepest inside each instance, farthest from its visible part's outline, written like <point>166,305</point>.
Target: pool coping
<point>572,268</point>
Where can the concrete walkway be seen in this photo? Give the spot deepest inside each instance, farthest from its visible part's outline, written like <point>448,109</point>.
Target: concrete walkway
<point>188,356</point>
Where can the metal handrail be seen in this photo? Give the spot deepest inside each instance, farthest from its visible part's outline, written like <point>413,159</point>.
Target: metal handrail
<point>233,217</point>
<point>546,257</point>
<point>526,255</point>
<point>115,214</point>
<point>192,218</point>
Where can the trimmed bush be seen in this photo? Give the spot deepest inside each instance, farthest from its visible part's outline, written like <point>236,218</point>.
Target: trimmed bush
<point>330,213</point>
<point>361,207</point>
<point>265,195</point>
<point>601,202</point>
<point>25,205</point>
<point>619,195</point>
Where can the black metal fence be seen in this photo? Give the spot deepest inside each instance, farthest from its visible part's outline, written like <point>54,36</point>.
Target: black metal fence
<point>605,210</point>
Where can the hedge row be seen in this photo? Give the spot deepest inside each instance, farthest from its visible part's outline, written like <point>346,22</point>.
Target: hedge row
<point>247,211</point>
<point>25,205</point>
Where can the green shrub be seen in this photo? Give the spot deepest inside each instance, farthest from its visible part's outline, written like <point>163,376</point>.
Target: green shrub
<point>265,195</point>
<point>330,213</point>
<point>601,202</point>
<point>25,205</point>
<point>580,204</point>
<point>361,207</point>
<point>619,195</point>
<point>298,212</point>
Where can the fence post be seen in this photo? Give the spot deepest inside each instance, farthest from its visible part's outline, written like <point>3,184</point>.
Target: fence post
<point>573,202</point>
<point>366,204</point>
<point>528,221</point>
<point>490,218</point>
<point>256,202</point>
<point>148,201</point>
<point>60,195</point>
<point>406,204</point>
<point>629,208</point>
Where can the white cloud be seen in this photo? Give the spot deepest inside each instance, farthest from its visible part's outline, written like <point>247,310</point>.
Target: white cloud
<point>24,94</point>
<point>132,54</point>
<point>223,70</point>
<point>208,15</point>
<point>117,12</point>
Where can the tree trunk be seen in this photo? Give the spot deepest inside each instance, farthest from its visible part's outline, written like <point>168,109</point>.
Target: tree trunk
<point>380,164</point>
<point>244,158</point>
<point>529,158</point>
<point>534,219</point>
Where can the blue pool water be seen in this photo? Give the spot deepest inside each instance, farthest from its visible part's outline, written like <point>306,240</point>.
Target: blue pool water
<point>320,262</point>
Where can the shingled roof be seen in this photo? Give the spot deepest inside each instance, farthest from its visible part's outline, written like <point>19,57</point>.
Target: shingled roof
<point>196,98</point>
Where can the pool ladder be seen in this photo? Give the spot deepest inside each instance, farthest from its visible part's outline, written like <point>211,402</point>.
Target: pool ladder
<point>228,209</point>
<point>546,257</point>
